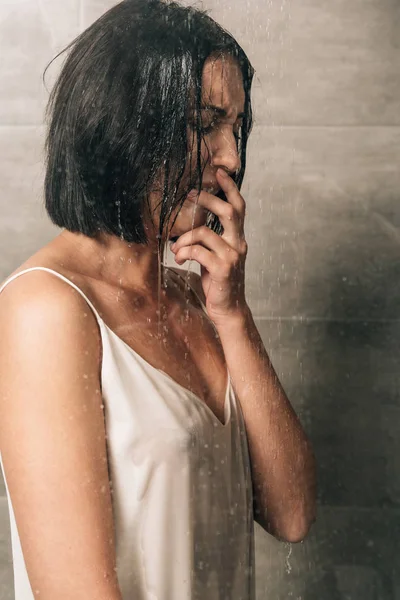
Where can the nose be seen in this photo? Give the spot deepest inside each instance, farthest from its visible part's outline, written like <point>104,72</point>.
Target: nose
<point>224,152</point>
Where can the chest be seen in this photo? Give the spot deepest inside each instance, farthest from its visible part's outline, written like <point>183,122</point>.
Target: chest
<point>188,351</point>
<point>182,343</point>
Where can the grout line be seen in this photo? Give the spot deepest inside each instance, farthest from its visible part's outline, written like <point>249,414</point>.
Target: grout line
<point>366,321</point>
<point>327,126</point>
<point>346,507</point>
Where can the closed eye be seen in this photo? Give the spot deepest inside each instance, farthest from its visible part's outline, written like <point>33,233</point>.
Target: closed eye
<point>209,128</point>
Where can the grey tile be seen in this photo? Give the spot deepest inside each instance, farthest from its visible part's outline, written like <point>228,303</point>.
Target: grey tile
<point>6,569</point>
<point>343,380</point>
<point>322,222</point>
<point>94,9</point>
<point>320,62</point>
<point>31,34</point>
<point>360,548</point>
<point>62,19</point>
<point>24,225</point>
<point>349,554</point>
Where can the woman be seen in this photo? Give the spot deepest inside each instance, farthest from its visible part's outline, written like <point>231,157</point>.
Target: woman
<point>134,434</point>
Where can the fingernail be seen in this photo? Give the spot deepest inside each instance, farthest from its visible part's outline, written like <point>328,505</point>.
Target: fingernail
<point>223,173</point>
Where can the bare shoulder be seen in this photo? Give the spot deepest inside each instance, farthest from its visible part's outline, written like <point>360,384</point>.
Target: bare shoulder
<point>50,404</point>
<point>195,282</point>
<point>39,312</point>
<point>37,293</point>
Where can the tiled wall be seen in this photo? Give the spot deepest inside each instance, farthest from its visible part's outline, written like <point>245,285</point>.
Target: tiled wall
<point>323,226</point>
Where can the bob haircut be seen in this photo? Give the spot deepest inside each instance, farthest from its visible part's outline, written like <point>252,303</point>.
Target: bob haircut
<point>119,112</point>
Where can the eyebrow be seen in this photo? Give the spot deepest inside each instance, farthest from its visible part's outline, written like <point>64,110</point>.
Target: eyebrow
<point>220,111</point>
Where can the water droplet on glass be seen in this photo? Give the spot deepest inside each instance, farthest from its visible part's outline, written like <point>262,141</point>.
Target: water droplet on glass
<point>288,565</point>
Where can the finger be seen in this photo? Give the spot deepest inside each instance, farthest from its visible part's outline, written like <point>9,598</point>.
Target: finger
<point>201,255</point>
<point>226,213</point>
<point>201,235</point>
<point>232,192</point>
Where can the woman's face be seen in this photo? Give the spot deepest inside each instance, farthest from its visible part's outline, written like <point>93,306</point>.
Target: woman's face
<point>223,100</point>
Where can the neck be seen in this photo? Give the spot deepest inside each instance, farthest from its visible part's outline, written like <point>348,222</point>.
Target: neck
<point>131,267</point>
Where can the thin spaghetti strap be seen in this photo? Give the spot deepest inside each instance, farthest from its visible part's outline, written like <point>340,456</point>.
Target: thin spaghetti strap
<point>99,319</point>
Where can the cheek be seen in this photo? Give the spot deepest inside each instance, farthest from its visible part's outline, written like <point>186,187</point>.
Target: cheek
<point>205,154</point>
<point>205,151</point>
<point>191,209</point>
<point>190,213</point>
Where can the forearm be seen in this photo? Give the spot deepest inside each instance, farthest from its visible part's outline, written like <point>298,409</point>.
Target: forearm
<point>283,464</point>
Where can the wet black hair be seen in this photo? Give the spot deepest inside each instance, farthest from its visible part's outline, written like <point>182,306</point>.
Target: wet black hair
<point>118,115</point>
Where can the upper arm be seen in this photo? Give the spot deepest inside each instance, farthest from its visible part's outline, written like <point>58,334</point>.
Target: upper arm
<point>52,439</point>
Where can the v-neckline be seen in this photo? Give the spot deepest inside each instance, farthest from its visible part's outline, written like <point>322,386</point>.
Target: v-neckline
<point>227,406</point>
<point>228,384</point>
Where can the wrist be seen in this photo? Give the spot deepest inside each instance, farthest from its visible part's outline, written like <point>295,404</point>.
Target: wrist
<point>235,321</point>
